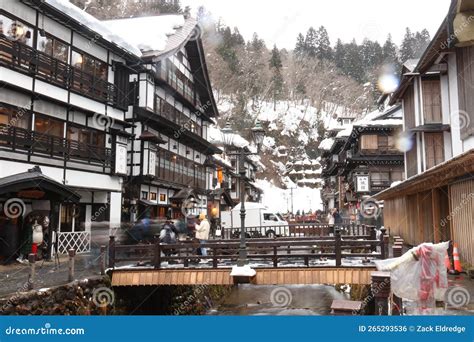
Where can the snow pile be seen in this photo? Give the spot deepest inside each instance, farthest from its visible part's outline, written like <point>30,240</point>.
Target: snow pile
<point>279,200</point>
<point>147,33</point>
<point>326,144</point>
<point>94,24</point>
<point>222,160</point>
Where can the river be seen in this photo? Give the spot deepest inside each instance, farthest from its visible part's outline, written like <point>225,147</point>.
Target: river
<point>291,300</point>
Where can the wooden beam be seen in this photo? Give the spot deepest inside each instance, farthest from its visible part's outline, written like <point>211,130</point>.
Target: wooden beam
<point>436,212</point>
<point>419,217</point>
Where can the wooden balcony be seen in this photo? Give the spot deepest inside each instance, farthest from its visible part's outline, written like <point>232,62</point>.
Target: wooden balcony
<point>35,143</point>
<point>23,58</point>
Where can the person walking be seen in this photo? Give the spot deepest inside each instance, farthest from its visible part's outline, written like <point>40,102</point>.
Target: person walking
<point>202,233</point>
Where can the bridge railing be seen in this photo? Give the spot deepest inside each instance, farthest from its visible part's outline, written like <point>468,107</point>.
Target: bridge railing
<point>298,230</point>
<point>302,251</point>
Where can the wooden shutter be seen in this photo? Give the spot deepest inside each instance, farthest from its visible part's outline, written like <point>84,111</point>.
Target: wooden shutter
<point>434,149</point>
<point>465,69</point>
<point>369,142</point>
<point>432,101</point>
<point>122,79</point>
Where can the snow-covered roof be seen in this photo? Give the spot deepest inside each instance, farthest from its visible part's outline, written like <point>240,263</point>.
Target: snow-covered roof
<point>222,160</point>
<point>326,144</point>
<point>411,64</point>
<point>216,137</point>
<point>89,21</point>
<point>155,35</point>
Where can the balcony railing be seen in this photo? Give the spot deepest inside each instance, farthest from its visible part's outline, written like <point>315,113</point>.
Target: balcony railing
<point>18,56</point>
<point>20,139</point>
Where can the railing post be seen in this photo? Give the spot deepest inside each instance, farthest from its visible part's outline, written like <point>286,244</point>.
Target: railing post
<point>373,235</point>
<point>337,246</point>
<point>383,243</point>
<point>157,254</point>
<point>31,280</point>
<point>397,251</point>
<point>275,257</point>
<point>214,258</point>
<point>72,255</point>
<point>111,251</point>
<point>102,259</point>
<point>381,291</point>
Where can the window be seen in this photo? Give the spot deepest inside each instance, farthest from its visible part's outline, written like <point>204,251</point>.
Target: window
<point>153,196</point>
<point>380,178</point>
<point>53,47</point>
<point>369,142</point>
<point>396,176</point>
<point>86,135</point>
<point>49,126</point>
<point>432,101</point>
<point>89,65</point>
<point>145,195</point>
<point>16,30</point>
<point>18,118</point>
<point>162,197</point>
<point>270,217</point>
<point>434,149</point>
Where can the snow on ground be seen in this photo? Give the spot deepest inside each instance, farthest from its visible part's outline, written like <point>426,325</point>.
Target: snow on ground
<point>279,199</point>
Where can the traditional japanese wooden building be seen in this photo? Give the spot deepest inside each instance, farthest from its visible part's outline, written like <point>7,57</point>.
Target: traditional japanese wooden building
<point>171,107</point>
<point>435,202</point>
<point>62,113</point>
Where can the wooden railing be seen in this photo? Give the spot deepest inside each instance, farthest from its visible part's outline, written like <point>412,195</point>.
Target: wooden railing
<point>300,252</point>
<point>19,56</point>
<point>43,144</point>
<point>298,230</point>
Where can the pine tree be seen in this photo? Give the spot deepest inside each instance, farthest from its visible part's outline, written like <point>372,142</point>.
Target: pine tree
<point>275,65</point>
<point>420,42</point>
<point>300,47</point>
<point>407,49</point>
<point>310,43</point>
<point>389,52</point>
<point>323,45</point>
<point>339,54</point>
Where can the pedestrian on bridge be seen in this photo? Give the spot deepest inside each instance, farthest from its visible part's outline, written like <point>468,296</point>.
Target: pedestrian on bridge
<point>202,232</point>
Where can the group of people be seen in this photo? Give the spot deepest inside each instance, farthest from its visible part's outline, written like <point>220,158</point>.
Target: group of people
<point>334,218</point>
<point>169,232</point>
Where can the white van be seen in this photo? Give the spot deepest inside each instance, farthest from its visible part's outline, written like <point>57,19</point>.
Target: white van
<point>259,222</point>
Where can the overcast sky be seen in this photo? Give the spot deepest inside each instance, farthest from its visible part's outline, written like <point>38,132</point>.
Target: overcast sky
<point>279,22</point>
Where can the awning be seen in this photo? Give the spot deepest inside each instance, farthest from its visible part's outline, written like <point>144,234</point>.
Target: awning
<point>146,203</point>
<point>184,194</point>
<point>222,193</point>
<point>440,175</point>
<point>35,180</point>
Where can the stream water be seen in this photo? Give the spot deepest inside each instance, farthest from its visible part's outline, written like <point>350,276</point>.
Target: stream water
<point>291,300</point>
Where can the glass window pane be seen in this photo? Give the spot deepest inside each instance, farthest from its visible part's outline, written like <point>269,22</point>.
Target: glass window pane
<point>60,51</point>
<point>45,44</point>
<point>77,60</point>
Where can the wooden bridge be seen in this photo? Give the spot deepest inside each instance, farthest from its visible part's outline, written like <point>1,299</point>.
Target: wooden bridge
<point>307,259</point>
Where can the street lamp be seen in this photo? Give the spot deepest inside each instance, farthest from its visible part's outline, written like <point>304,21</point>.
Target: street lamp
<point>258,134</point>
